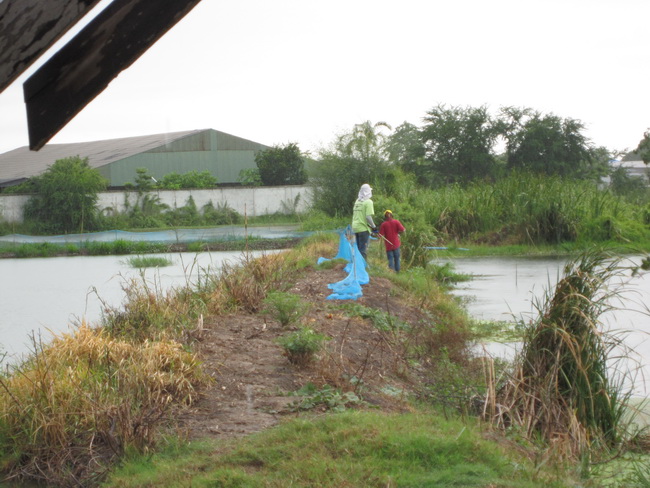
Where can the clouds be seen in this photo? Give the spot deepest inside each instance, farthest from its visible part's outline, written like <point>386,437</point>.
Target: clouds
<point>303,71</point>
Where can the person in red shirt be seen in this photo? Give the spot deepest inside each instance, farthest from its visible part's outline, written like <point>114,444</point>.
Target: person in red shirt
<point>390,230</point>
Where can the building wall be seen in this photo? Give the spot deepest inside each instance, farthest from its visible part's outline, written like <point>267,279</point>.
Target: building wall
<point>252,202</point>
<point>224,165</point>
<point>223,155</point>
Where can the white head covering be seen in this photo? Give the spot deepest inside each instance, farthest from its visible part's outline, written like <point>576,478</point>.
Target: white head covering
<point>365,192</point>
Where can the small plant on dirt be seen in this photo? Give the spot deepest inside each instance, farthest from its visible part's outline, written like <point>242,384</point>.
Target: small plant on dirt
<point>287,308</point>
<point>381,320</point>
<point>301,346</point>
<point>327,398</point>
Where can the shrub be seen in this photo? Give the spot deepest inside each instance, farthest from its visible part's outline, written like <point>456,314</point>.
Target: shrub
<point>287,308</point>
<point>300,346</point>
<point>65,196</point>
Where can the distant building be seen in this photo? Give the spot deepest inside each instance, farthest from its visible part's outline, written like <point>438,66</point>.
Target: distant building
<point>634,166</point>
<point>223,155</point>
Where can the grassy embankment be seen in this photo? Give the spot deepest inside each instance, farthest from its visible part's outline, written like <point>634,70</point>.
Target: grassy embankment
<point>101,397</point>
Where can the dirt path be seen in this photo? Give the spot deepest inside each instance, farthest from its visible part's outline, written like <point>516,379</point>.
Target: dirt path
<point>253,379</point>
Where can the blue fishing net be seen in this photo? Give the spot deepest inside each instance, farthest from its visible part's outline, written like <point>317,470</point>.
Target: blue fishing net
<point>171,236</point>
<point>350,287</point>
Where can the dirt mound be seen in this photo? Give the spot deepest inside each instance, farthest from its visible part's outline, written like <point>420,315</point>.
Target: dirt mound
<point>254,380</point>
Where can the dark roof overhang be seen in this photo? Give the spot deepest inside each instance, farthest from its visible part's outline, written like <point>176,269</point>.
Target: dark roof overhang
<point>84,67</point>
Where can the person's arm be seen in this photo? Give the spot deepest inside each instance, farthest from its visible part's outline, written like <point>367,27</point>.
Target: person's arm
<point>371,223</point>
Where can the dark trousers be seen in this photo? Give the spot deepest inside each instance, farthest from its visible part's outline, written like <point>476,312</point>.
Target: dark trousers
<point>362,242</point>
<point>393,259</point>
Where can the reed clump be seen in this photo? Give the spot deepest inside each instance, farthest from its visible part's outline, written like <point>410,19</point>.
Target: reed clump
<point>561,389</point>
<point>77,405</point>
<point>244,285</point>
<point>149,312</point>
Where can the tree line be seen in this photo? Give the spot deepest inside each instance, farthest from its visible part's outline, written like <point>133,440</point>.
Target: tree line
<point>453,146</point>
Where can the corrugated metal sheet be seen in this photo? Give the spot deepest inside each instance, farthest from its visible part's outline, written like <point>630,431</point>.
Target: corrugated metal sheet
<point>222,154</point>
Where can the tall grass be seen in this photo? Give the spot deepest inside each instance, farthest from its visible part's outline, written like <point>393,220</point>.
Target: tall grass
<point>562,389</point>
<point>77,405</point>
<point>524,208</point>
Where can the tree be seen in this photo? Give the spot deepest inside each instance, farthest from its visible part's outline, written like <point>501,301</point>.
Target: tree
<point>250,177</point>
<point>458,144</point>
<point>65,196</point>
<point>644,147</point>
<point>405,148</point>
<point>355,158</point>
<point>365,141</point>
<point>281,165</point>
<point>545,144</point>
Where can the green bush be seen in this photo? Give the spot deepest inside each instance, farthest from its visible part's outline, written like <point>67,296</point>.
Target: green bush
<point>222,214</point>
<point>287,308</point>
<point>300,346</point>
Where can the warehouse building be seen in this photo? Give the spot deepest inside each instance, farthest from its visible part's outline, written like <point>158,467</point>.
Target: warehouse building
<point>223,155</point>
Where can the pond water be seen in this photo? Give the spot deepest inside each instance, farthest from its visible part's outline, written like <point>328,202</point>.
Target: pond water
<point>508,288</point>
<point>42,296</point>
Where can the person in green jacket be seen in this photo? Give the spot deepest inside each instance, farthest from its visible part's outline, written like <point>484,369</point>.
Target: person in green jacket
<point>362,223</point>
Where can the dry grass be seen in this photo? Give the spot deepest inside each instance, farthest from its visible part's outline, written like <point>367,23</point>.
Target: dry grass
<point>79,403</point>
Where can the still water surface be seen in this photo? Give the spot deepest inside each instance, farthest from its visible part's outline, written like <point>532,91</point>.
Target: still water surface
<point>39,297</point>
<point>42,296</point>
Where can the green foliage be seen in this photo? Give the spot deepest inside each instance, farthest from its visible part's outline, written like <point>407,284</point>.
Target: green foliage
<point>148,262</point>
<point>459,144</point>
<point>222,214</point>
<point>564,360</point>
<point>287,308</point>
<point>65,196</point>
<point>381,320</point>
<point>281,165</point>
<point>145,182</point>
<point>250,177</point>
<point>188,214</point>
<point>355,158</point>
<point>317,220</point>
<point>191,179</point>
<point>301,345</point>
<point>632,188</point>
<point>24,187</point>
<point>327,398</point>
<point>148,213</point>
<point>643,149</point>
<point>545,144</point>
<point>405,148</point>
<point>40,250</point>
<point>352,448</point>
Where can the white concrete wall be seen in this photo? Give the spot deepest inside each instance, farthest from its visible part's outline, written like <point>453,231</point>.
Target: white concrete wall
<point>11,207</point>
<point>252,202</point>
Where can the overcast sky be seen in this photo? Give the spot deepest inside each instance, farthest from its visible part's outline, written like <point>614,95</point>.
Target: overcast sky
<point>304,71</point>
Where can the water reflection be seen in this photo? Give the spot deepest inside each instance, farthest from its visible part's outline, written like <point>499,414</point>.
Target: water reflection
<point>39,297</point>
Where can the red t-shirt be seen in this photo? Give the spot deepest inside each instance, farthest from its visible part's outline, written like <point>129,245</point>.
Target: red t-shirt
<point>390,229</point>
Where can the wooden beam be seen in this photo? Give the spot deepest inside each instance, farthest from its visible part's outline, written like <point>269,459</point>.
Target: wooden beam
<point>29,27</point>
<point>85,66</point>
